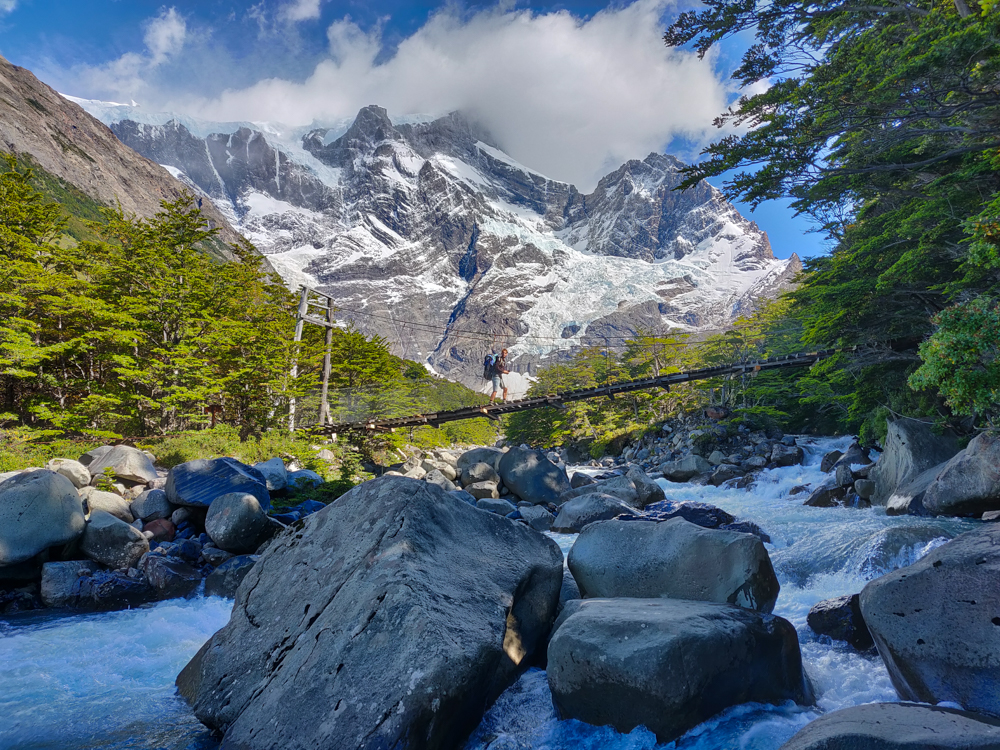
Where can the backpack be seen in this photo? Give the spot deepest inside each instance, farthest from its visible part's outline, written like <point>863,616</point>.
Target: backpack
<point>489,363</point>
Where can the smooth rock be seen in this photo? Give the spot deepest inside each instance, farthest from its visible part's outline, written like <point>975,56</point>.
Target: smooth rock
<point>126,462</point>
<point>171,577</point>
<point>480,490</point>
<point>829,460</point>
<point>669,664</point>
<point>197,483</point>
<point>841,619</point>
<point>389,625</point>
<point>38,509</point>
<point>237,524</point>
<point>574,515</point>
<point>825,496</point>
<point>92,455</point>
<point>716,457</point>
<point>864,488</point>
<point>674,559</point>
<point>936,623</point>
<point>647,490</point>
<point>620,487</point>
<point>226,579</point>
<point>911,448</point>
<point>74,471</point>
<point>496,505</point>
<point>843,476</point>
<point>898,726</point>
<point>579,479</point>
<point>274,473</point>
<point>723,473</point>
<point>480,472</point>
<point>489,456</point>
<point>855,455</point>
<point>787,455</point>
<point>685,469</point>
<point>969,483</point>
<point>537,517</point>
<point>112,542</point>
<point>568,592</point>
<point>151,505</point>
<point>109,502</point>
<point>59,580</point>
<point>532,477</point>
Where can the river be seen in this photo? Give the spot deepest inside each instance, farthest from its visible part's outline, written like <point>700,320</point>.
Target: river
<point>106,680</point>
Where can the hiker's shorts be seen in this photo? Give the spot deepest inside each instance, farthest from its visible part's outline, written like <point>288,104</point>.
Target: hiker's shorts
<point>498,383</point>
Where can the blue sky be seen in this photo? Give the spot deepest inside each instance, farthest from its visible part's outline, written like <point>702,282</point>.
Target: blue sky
<point>570,89</point>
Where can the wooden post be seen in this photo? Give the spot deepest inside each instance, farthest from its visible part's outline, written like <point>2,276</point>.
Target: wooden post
<point>324,403</point>
<point>299,325</point>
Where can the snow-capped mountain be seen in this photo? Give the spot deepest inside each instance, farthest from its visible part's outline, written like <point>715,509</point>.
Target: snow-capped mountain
<point>427,233</point>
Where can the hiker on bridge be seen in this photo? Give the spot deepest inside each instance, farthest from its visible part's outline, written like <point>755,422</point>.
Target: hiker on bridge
<point>496,369</point>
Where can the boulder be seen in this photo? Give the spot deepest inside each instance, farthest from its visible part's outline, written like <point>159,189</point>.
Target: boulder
<point>531,476</point>
<point>226,579</point>
<point>92,455</point>
<point>723,473</point>
<point>669,664</point>
<point>685,469</point>
<point>674,559</point>
<point>303,479</point>
<point>969,484</point>
<point>825,496</point>
<point>569,591</point>
<point>59,581</point>
<point>464,496</point>
<point>274,473</point>
<point>197,483</point>
<point>855,455</point>
<point>864,488</point>
<point>151,505</point>
<point>480,490</point>
<point>537,517</point>
<point>620,487</point>
<point>840,618</point>
<point>107,591</point>
<point>496,505</point>
<point>936,623</point>
<point>577,513</point>
<point>829,460</point>
<point>215,556</point>
<point>160,530</point>
<point>489,456</point>
<point>74,471</point>
<point>171,577</point>
<point>843,476</point>
<point>444,467</point>
<point>440,480</point>
<point>112,542</point>
<point>787,455</point>
<point>908,498</point>
<point>716,457</point>
<point>126,462</point>
<point>911,448</point>
<point>377,625</point>
<point>38,509</point>
<point>237,523</point>
<point>480,472</point>
<point>898,726</point>
<point>647,490</point>
<point>109,502</point>
<point>579,479</point>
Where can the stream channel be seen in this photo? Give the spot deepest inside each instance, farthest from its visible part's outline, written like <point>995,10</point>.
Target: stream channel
<point>106,680</point>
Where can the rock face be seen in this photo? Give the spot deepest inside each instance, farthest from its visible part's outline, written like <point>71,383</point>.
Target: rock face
<point>112,542</point>
<point>236,523</point>
<point>532,477</point>
<point>127,463</point>
<point>575,514</point>
<point>38,509</point>
<point>935,623</point>
<point>376,625</point>
<point>197,483</point>
<point>911,448</point>
<point>841,619</point>
<point>674,559</point>
<point>668,664</point>
<point>969,484</point>
<point>898,726</point>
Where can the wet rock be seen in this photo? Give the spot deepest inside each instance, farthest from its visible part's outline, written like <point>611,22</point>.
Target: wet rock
<point>226,579</point>
<point>151,505</point>
<point>126,462</point>
<point>685,468</point>
<point>701,514</point>
<point>109,502</point>
<point>668,664</point>
<point>723,473</point>
<point>112,542</point>
<point>490,456</point>
<point>841,619</point>
<point>855,455</point>
<point>898,726</point>
<point>829,460</point>
<point>60,578</point>
<point>171,577</point>
<point>969,483</point>
<point>678,560</point>
<point>798,489</point>
<point>480,472</point>
<point>935,622</point>
<point>843,476</point>
<point>532,477</point>
<point>197,483</point>
<point>574,515</point>
<point>496,505</point>
<point>365,604</point>
<point>787,455</point>
<point>74,471</point>
<point>237,524</point>
<point>274,473</point>
<point>825,496</point>
<point>480,490</point>
<point>909,497</point>
<point>647,490</point>
<point>106,591</point>
<point>537,517</point>
<point>865,488</point>
<point>38,509</point>
<point>911,448</point>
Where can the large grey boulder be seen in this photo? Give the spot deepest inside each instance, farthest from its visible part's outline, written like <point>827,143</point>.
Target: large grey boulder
<point>537,517</point>
<point>495,505</point>
<point>92,455</point>
<point>787,455</point>
<point>236,523</point>
<point>840,618</point>
<point>59,581</point>
<point>531,476</point>
<point>855,455</point>
<point>109,502</point>
<point>621,487</point>
<point>38,509</point>
<point>668,664</point>
<point>275,474</point>
<point>151,505</point>
<point>898,726</point>
<point>197,483</point>
<point>74,471</point>
<point>378,625</point>
<point>481,472</point>
<point>577,513</point>
<point>911,448</point>
<point>438,479</point>
<point>127,463</point>
<point>969,484</point>
<point>112,542</point>
<point>685,468</point>
<point>648,490</point>
<point>480,490</point>
<point>936,623</point>
<point>908,498</point>
<point>674,559</point>
<point>490,456</point>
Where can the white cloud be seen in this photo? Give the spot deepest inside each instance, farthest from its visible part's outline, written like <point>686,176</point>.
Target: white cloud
<point>165,35</point>
<point>7,6</point>
<point>300,10</point>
